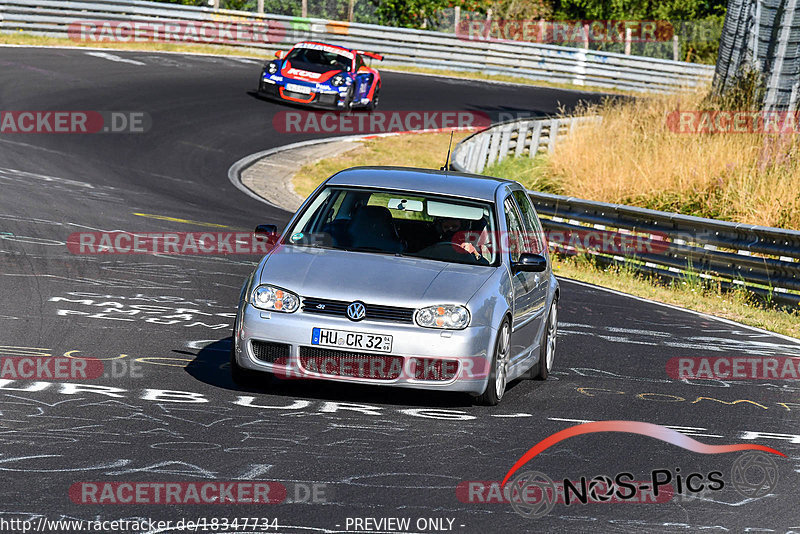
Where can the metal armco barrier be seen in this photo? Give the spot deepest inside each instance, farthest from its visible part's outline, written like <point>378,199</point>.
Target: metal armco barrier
<point>520,138</point>
<point>400,46</point>
<point>766,261</point>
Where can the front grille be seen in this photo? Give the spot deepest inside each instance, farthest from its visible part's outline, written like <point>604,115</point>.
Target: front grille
<point>299,96</point>
<point>431,369</point>
<point>327,99</point>
<point>271,352</point>
<point>351,364</point>
<point>374,312</point>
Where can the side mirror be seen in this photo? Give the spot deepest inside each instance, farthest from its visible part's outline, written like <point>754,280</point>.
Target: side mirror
<point>266,231</point>
<point>280,54</point>
<point>529,263</point>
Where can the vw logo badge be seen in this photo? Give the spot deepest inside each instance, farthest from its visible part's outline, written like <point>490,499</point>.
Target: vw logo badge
<point>356,311</point>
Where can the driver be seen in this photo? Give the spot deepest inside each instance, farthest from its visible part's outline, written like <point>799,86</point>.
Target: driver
<point>451,230</point>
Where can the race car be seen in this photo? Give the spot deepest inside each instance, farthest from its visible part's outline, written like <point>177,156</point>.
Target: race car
<point>322,76</point>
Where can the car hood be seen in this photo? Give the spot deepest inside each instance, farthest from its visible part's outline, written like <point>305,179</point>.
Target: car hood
<point>372,278</point>
<point>288,71</point>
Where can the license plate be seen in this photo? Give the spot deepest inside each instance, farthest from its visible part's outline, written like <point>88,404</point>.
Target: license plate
<point>351,340</point>
<point>298,88</point>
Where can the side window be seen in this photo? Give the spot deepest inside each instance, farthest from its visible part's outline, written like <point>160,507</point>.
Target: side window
<point>514,240</point>
<point>359,62</point>
<point>531,222</point>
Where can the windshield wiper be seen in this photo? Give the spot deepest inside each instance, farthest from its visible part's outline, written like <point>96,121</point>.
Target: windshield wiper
<point>376,250</point>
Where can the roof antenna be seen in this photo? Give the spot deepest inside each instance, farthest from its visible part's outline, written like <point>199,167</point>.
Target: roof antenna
<point>446,165</point>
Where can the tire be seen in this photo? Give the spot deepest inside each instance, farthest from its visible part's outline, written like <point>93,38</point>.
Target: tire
<point>373,105</point>
<point>348,101</point>
<point>547,352</point>
<point>498,375</point>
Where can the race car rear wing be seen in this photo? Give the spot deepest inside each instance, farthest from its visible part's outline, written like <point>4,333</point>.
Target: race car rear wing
<point>373,55</point>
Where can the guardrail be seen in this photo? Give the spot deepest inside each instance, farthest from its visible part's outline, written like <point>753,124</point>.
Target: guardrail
<point>400,46</point>
<point>765,261</point>
<point>519,138</point>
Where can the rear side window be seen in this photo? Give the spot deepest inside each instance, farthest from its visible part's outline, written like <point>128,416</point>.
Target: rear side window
<point>531,222</point>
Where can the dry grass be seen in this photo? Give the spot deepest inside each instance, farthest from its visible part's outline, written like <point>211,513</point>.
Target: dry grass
<point>633,158</point>
<point>426,150</point>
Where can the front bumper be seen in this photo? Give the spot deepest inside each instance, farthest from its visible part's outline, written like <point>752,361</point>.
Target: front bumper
<point>471,347</point>
<point>326,100</point>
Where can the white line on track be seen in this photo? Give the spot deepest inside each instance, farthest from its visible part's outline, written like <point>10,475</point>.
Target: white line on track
<point>678,308</point>
<point>112,57</point>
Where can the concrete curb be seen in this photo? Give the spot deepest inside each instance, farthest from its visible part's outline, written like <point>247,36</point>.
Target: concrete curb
<point>283,200</point>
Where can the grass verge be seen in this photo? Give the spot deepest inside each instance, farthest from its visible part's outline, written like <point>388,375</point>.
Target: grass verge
<point>506,78</point>
<point>428,150</point>
<point>20,38</point>
<point>411,150</point>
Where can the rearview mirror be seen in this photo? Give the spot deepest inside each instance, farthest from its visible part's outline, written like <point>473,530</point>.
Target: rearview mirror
<point>529,263</point>
<point>279,54</point>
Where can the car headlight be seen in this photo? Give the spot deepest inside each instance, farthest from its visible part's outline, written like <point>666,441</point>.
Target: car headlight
<point>337,81</point>
<point>444,316</point>
<point>275,299</point>
<point>272,68</point>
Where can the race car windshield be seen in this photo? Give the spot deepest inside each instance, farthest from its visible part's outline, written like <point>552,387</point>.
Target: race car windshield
<point>314,60</point>
<point>399,222</point>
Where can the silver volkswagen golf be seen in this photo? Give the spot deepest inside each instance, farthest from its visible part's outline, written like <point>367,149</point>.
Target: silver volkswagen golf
<point>403,277</point>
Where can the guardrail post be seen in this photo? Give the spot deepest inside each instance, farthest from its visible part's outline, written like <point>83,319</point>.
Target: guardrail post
<point>505,142</point>
<point>521,138</point>
<point>552,140</point>
<point>536,138</point>
<point>483,152</point>
<point>494,147</point>
<point>628,39</point>
<point>260,7</point>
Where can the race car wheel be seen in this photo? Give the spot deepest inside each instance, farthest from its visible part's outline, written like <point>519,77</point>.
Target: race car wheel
<point>348,100</point>
<point>498,373</point>
<point>375,97</point>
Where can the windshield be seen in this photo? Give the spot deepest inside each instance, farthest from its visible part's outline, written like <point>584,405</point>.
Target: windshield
<point>318,60</point>
<point>396,222</point>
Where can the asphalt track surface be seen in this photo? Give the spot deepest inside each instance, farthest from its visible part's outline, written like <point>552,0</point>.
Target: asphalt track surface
<point>379,452</point>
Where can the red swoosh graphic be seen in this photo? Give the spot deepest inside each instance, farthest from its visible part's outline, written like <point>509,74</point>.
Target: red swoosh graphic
<point>633,427</point>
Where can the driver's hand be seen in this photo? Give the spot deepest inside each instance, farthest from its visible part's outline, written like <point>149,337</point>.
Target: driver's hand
<point>469,247</point>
